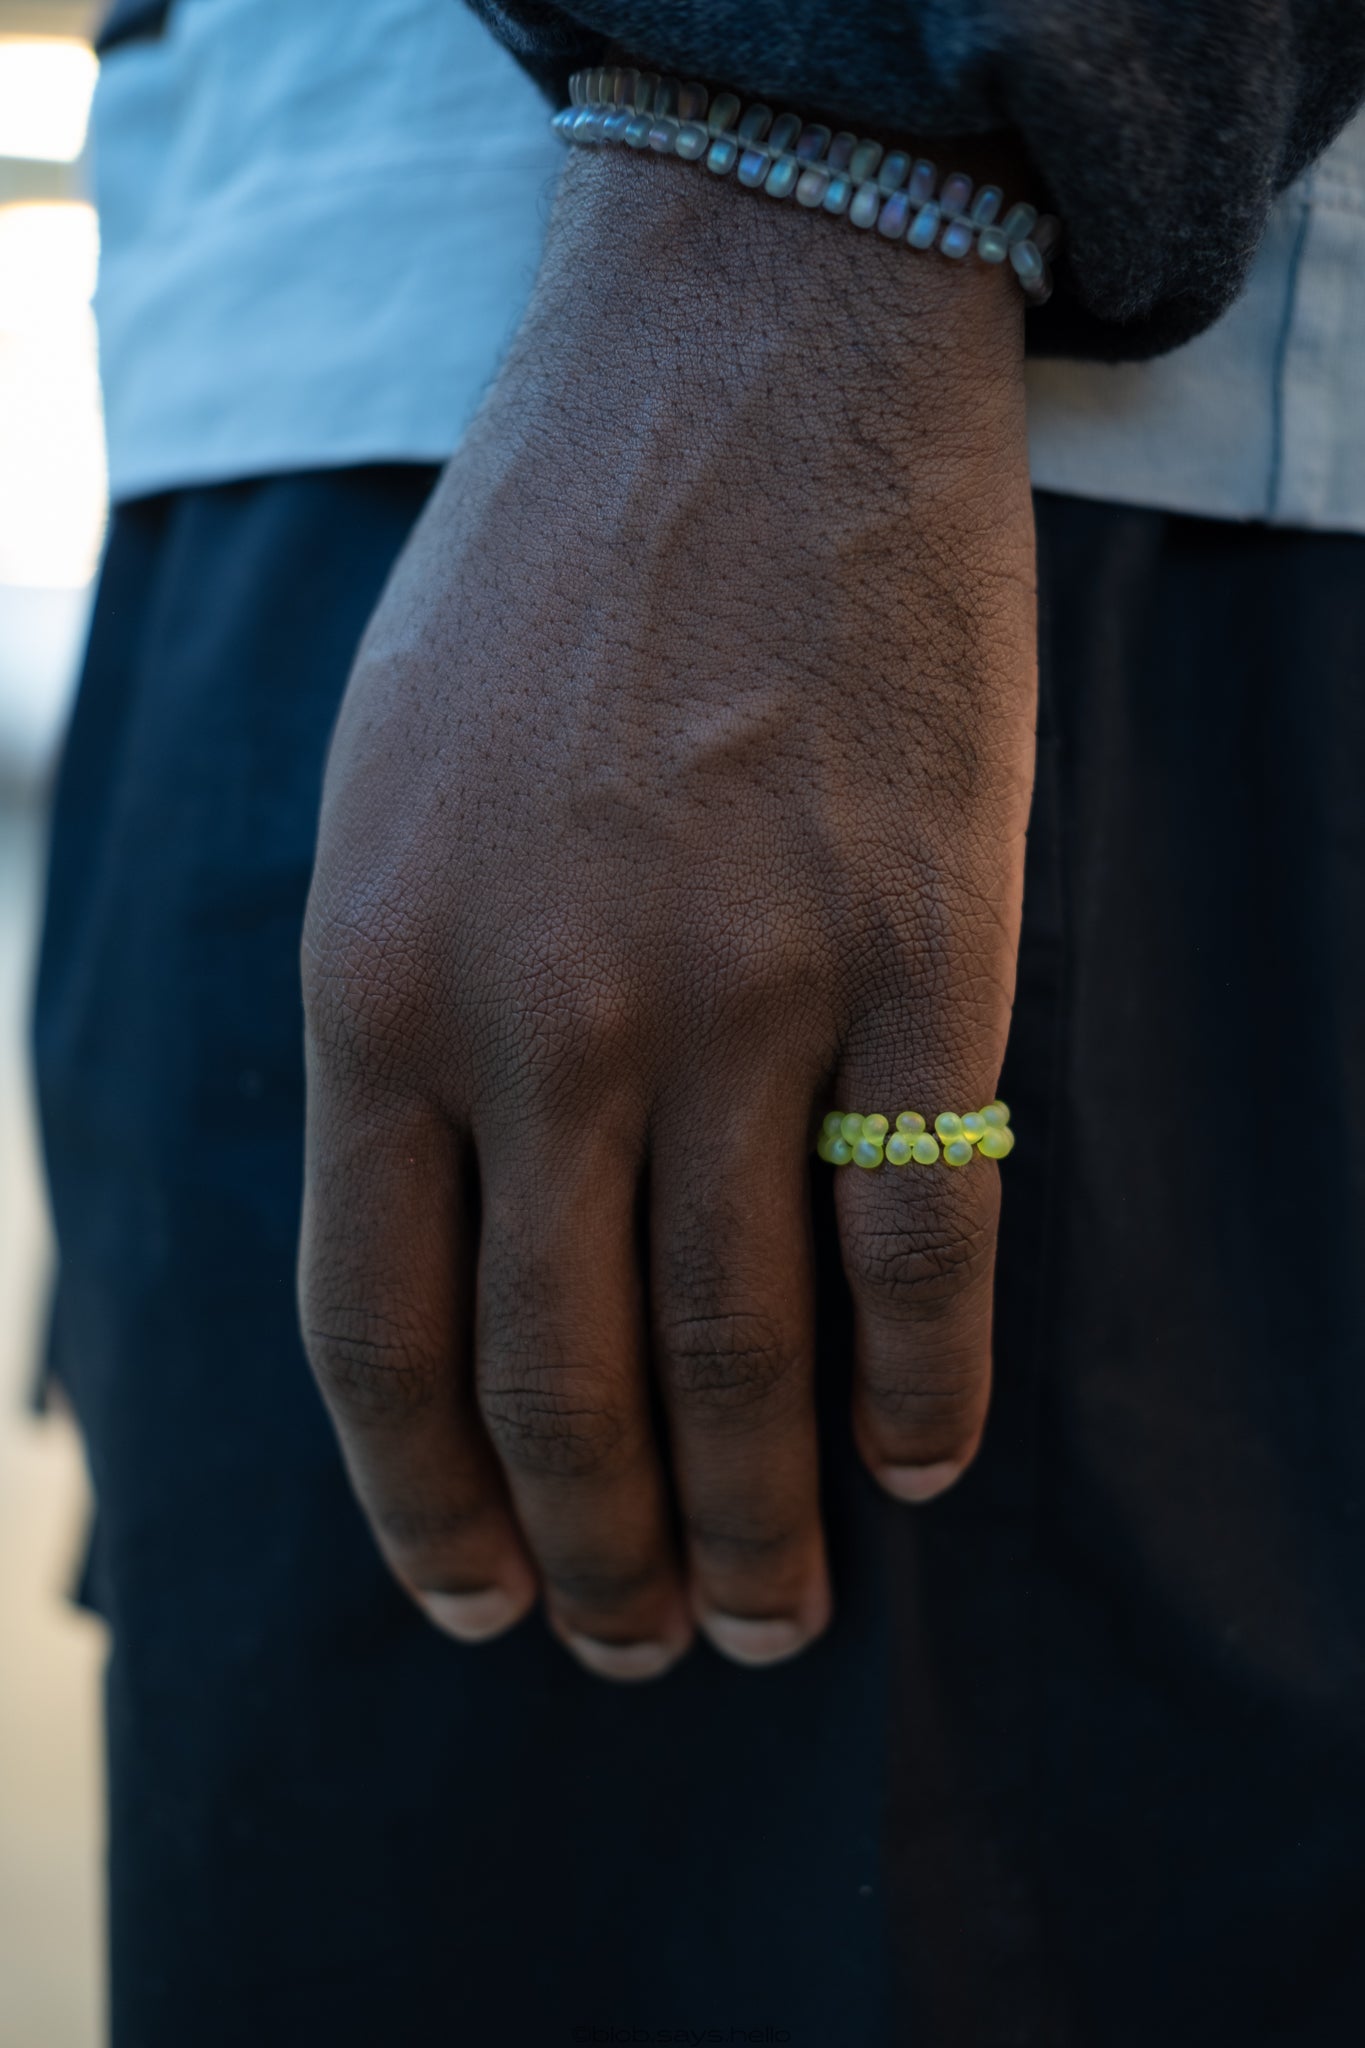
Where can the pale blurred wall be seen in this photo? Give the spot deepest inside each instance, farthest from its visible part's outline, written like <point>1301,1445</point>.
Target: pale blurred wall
<point>51,520</point>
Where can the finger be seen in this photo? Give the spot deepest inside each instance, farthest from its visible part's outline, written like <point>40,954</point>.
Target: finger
<point>565,1396</point>
<point>918,1244</point>
<point>385,1295</point>
<point>733,1300</point>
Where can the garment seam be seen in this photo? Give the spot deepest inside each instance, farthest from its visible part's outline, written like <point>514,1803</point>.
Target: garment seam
<point>1280,363</point>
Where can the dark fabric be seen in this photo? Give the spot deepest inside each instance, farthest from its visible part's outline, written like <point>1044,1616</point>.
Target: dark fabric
<point>1082,1763</point>
<point>1160,130</point>
<point>123,21</point>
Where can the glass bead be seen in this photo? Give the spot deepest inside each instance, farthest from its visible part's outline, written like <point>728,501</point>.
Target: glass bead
<point>910,1122</point>
<point>956,239</point>
<point>875,1126</point>
<point>974,1126</point>
<point>755,122</point>
<point>956,195</point>
<point>753,166</point>
<point>851,1126</point>
<point>783,133</point>
<point>623,86</point>
<point>840,153</point>
<point>722,155</point>
<point>998,1142</point>
<point>986,205</point>
<point>811,187</point>
<point>663,134</point>
<point>924,1151</point>
<point>957,1152</point>
<point>840,1151</point>
<point>1018,222</point>
<point>645,90</point>
<point>922,181</point>
<point>691,142</point>
<point>864,161</point>
<point>1027,264</point>
<point>894,170</point>
<point>830,1124</point>
<point>812,143</point>
<point>898,1149</point>
<point>922,229</point>
<point>693,100</point>
<point>991,245</point>
<point>867,1152</point>
<point>1001,1112</point>
<point>637,131</point>
<point>822,1145</point>
<point>724,113</point>
<point>576,88</point>
<point>865,206</point>
<point>839,195</point>
<point>780,182</point>
<point>948,1124</point>
<point>892,219</point>
<point>665,98</point>
<point>560,121</point>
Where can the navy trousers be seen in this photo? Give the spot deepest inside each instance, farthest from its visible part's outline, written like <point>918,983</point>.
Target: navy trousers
<point>1082,1762</point>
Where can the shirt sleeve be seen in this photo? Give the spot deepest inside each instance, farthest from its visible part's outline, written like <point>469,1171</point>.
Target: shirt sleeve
<point>1160,130</point>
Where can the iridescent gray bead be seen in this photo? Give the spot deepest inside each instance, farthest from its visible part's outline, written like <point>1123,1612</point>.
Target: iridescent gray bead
<point>895,213</point>
<point>838,194</point>
<point>577,96</point>
<point>692,141</point>
<point>956,239</point>
<point>693,100</point>
<point>647,86</point>
<point>580,127</point>
<point>780,182</point>
<point>723,114</point>
<point>895,169</point>
<point>755,122</point>
<point>637,131</point>
<point>865,206</point>
<point>923,228</point>
<point>615,126</point>
<point>560,121</point>
<point>991,245</point>
<point>812,186</point>
<point>840,153</point>
<point>864,161</point>
<point>986,205</point>
<point>1018,222</point>
<point>663,134</point>
<point>1027,264</point>
<point>812,143</point>
<point>596,91</point>
<point>956,195</point>
<point>666,97</point>
<point>753,166</point>
<point>783,133</point>
<point>722,154</point>
<point>923,179</point>
<point>626,82</point>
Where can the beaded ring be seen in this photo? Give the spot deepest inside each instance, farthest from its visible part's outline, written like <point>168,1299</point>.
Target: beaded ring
<point>790,158</point>
<point>848,1139</point>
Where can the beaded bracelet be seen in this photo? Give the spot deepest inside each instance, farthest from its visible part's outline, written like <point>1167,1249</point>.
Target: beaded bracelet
<point>790,158</point>
<point>847,1139</point>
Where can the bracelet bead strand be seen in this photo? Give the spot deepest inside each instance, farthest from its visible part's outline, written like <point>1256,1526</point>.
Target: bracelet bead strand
<point>848,1138</point>
<point>786,157</point>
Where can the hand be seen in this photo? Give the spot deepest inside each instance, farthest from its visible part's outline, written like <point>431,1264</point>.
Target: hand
<point>678,795</point>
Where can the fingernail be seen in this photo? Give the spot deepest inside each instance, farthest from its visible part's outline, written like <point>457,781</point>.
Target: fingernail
<point>473,1617</point>
<point>919,1482</point>
<point>622,1660</point>
<point>754,1642</point>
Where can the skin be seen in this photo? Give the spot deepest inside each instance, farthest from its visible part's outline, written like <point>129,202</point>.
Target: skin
<point>679,794</point>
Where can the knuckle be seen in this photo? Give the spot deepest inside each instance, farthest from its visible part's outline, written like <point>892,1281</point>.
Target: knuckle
<point>362,987</point>
<point>727,1366</point>
<point>548,1421</point>
<point>607,1586</point>
<point>745,1542</point>
<point>369,1369</point>
<point>944,1406</point>
<point>919,1273</point>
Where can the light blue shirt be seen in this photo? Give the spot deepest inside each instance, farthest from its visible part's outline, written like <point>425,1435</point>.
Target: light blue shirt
<point>320,223</point>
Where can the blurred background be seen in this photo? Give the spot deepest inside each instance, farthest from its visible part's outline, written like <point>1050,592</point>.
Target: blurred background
<point>52,510</point>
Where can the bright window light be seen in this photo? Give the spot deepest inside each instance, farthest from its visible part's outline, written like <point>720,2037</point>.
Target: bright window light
<point>45,88</point>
